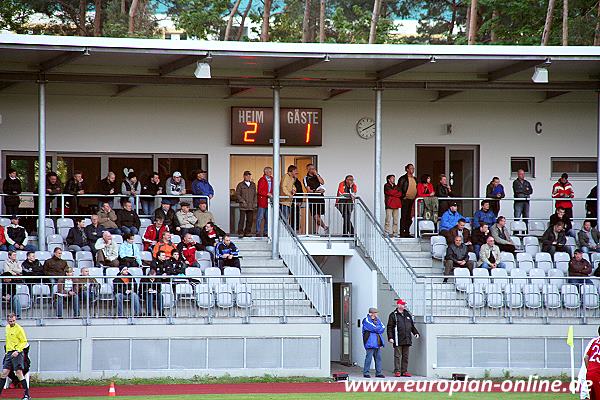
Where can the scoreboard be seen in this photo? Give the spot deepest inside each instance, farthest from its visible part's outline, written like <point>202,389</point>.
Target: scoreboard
<point>253,126</point>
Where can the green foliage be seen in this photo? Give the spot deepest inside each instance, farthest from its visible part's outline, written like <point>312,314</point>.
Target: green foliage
<point>14,15</point>
<point>351,22</point>
<point>201,18</point>
<point>116,24</point>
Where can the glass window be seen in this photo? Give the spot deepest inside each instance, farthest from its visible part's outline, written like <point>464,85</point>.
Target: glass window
<point>27,168</point>
<point>90,166</point>
<point>527,164</point>
<point>120,165</point>
<point>574,166</point>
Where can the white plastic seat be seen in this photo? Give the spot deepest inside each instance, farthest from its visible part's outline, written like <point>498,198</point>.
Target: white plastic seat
<point>495,298</point>
<point>205,264</point>
<point>472,257</point>
<point>438,247</point>
<point>23,294</point>
<point>137,240</point>
<point>204,296</point>
<point>570,296</point>
<point>193,271</point>
<point>146,256</point>
<point>426,227</point>
<point>76,271</point>
<point>525,261</point>
<point>4,221</point>
<point>68,257</point>
<point>519,278</point>
<point>556,273</point>
<point>40,293</point>
<point>137,272</point>
<point>538,277</point>
<point>544,262</point>
<point>166,292</point>
<point>468,226</point>
<point>532,296</point>
<point>42,255</point>
<point>53,241</point>
<point>475,296</point>
<point>196,238</point>
<point>552,297</point>
<point>117,239</point>
<point>64,232</point>
<point>97,272</point>
<point>243,295</point>
<point>561,261</point>
<point>462,279</point>
<point>112,271</point>
<point>87,221</point>
<point>536,228</point>
<point>518,226</point>
<point>586,257</point>
<point>145,222</point>
<point>531,245</point>
<point>514,296</point>
<point>175,239</point>
<point>65,223</point>
<point>3,255</point>
<point>500,277</point>
<point>50,227</point>
<point>508,259</point>
<point>481,277</point>
<point>84,259</point>
<point>184,291</point>
<point>595,260</point>
<point>571,245</point>
<point>517,242</point>
<point>589,296</point>
<point>224,295</point>
<point>213,277</point>
<point>232,275</point>
<point>21,255</point>
<point>203,255</point>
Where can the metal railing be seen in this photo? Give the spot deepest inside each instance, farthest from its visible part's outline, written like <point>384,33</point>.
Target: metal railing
<point>378,247</point>
<point>57,202</point>
<point>318,287</point>
<point>506,207</point>
<point>531,298</point>
<point>195,298</point>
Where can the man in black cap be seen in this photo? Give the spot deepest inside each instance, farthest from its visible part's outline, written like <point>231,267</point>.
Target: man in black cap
<point>400,328</point>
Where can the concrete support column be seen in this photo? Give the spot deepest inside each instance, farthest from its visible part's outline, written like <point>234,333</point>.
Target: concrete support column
<point>276,174</point>
<point>42,162</point>
<point>377,180</point>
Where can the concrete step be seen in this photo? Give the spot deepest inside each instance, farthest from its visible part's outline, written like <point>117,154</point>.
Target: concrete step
<point>261,262</point>
<point>256,253</point>
<point>265,271</point>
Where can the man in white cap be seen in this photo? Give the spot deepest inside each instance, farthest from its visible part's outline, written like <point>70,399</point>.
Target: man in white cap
<point>400,328</point>
<point>175,186</point>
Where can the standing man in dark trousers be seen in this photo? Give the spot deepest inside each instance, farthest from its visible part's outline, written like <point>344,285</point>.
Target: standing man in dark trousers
<point>407,184</point>
<point>521,190</point>
<point>400,328</point>
<point>14,359</point>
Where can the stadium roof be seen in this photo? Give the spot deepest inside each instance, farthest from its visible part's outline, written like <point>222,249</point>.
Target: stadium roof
<point>448,69</point>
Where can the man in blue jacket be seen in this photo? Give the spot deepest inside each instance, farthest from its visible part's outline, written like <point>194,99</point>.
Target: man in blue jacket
<point>484,215</point>
<point>372,330</point>
<point>450,219</point>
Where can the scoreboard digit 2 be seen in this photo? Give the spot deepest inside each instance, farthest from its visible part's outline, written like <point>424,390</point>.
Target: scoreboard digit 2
<point>253,126</point>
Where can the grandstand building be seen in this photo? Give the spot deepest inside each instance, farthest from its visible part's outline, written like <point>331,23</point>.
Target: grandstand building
<point>472,113</point>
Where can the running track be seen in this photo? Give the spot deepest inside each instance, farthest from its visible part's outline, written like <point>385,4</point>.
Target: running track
<point>178,389</point>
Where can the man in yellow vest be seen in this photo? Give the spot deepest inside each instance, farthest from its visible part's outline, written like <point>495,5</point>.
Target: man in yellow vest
<point>14,360</point>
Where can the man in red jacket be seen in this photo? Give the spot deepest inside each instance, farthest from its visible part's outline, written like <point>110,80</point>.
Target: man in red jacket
<point>154,233</point>
<point>564,190</point>
<point>264,192</point>
<point>393,202</point>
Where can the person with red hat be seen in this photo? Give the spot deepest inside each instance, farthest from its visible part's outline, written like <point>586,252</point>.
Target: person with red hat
<point>400,328</point>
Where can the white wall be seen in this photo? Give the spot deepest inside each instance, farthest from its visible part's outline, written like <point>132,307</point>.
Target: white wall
<point>170,125</point>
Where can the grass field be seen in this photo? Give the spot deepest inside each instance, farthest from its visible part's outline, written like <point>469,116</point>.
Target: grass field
<point>351,396</point>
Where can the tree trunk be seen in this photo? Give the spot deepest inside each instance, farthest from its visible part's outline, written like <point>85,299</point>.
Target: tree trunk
<point>468,23</point>
<point>493,35</point>
<point>374,21</point>
<point>123,7</point>
<point>264,32</point>
<point>322,22</point>
<point>82,11</point>
<point>548,24</point>
<point>473,23</point>
<point>306,22</point>
<point>98,17</point>
<point>597,35</point>
<point>132,13</point>
<point>452,21</point>
<point>565,23</point>
<point>240,32</point>
<point>234,11</point>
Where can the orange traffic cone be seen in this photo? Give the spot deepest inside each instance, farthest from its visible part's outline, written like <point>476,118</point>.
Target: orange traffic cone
<point>111,391</point>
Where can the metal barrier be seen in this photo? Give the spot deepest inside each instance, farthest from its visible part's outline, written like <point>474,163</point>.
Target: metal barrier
<point>510,298</point>
<point>61,199</point>
<point>318,287</point>
<point>205,299</point>
<point>378,247</point>
<point>310,215</point>
<point>507,201</point>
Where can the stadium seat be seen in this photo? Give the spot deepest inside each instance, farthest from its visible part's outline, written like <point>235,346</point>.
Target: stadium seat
<point>112,271</point>
<point>224,295</point>
<point>538,277</point>
<point>500,277</point>
<point>571,245</point>
<point>536,228</point>
<point>21,255</point>
<point>203,255</point>
<point>561,261</point>
<point>586,257</point>
<point>145,222</point>
<point>495,298</point>
<point>514,296</point>
<point>589,295</point>
<point>24,297</point>
<point>84,259</point>
<point>481,277</point>
<point>552,298</point>
<point>65,223</point>
<point>68,257</point>
<point>213,277</point>
<point>3,255</point>
<point>426,227</point>
<point>525,261</point>
<point>532,296</point>
<point>462,279</point>
<point>63,232</point>
<point>137,240</point>
<point>146,256</point>
<point>53,241</point>
<point>438,247</point>
<point>544,262</point>
<point>42,255</point>
<point>168,299</point>
<point>5,221</point>
<point>577,224</point>
<point>41,294</point>
<point>531,245</point>
<point>184,291</point>
<point>196,238</point>
<point>204,296</point>
<point>570,296</point>
<point>193,272</point>
<point>475,296</point>
<point>517,242</point>
<point>204,264</point>
<point>519,278</point>
<point>595,260</point>
<point>50,228</point>
<point>518,227</point>
<point>176,239</point>
<point>117,239</point>
<point>556,273</point>
<point>468,226</point>
<point>508,259</point>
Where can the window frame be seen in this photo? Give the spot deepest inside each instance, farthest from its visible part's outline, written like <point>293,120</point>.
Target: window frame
<point>528,174</point>
<point>573,174</point>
